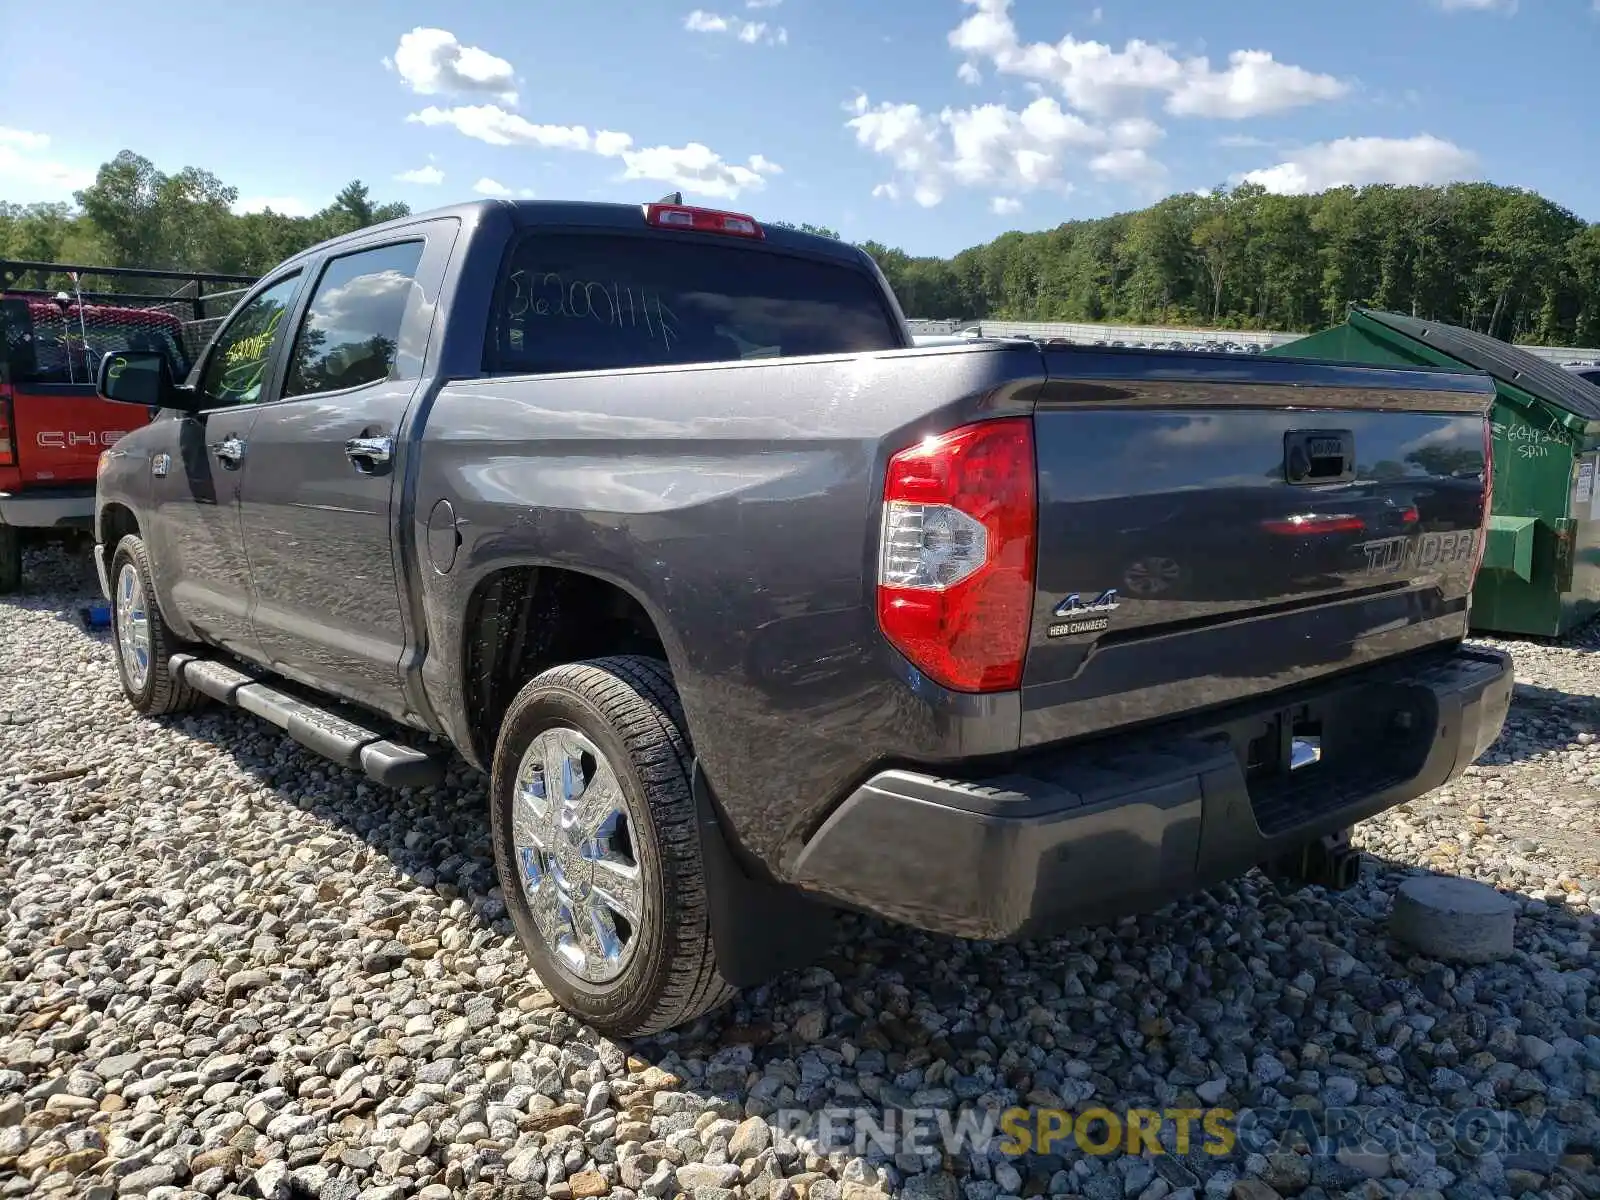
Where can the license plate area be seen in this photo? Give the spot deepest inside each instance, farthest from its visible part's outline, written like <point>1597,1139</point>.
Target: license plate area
<point>1304,761</point>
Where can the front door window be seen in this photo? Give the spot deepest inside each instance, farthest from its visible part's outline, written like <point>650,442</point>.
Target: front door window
<point>236,369</point>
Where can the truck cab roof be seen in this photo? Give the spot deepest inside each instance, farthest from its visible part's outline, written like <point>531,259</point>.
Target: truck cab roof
<point>585,214</point>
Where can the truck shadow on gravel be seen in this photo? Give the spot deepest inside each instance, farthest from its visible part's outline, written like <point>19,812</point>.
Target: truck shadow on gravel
<point>1543,719</point>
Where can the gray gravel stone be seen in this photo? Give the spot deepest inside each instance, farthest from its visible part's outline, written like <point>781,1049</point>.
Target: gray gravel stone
<point>207,852</point>
<point>1453,919</point>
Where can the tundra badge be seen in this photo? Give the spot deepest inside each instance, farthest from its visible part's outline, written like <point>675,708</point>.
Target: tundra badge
<point>1083,616</point>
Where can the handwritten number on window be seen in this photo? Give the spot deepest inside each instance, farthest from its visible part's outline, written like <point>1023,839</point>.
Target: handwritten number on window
<point>611,305</point>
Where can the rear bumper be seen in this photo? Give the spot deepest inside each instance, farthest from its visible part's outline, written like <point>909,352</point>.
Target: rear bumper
<point>69,507</point>
<point>1094,832</point>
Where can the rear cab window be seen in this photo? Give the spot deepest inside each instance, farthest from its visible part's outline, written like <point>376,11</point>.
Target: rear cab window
<point>46,343</point>
<point>597,302</point>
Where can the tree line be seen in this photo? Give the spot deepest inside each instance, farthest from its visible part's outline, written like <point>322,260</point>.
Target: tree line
<point>1500,260</point>
<point>134,215</point>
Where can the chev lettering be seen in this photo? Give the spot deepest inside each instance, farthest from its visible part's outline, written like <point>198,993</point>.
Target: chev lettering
<point>68,439</point>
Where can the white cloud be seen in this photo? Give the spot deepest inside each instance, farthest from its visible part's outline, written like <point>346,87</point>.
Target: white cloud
<point>610,145</point>
<point>697,168</point>
<point>432,62</point>
<point>1242,141</point>
<point>749,32</point>
<point>1095,78</point>
<point>1506,6</point>
<point>1004,206</point>
<point>996,147</point>
<point>492,124</point>
<point>1139,133</point>
<point>1254,85</point>
<point>285,206</point>
<point>762,3</point>
<point>1091,115</point>
<point>490,187</point>
<point>1096,16</point>
<point>428,175</point>
<point>1362,160</point>
<point>694,167</point>
<point>1127,164</point>
<point>22,139</point>
<point>31,177</point>
<point>910,140</point>
<point>691,167</point>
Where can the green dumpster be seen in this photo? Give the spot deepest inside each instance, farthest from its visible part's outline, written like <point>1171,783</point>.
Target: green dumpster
<point>1541,565</point>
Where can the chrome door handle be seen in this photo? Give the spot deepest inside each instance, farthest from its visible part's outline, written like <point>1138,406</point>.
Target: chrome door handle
<point>230,450</point>
<point>369,452</point>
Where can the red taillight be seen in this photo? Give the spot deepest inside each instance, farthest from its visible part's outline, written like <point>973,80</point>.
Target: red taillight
<point>956,560</point>
<point>1410,517</point>
<point>8,447</point>
<point>1315,523</point>
<point>701,220</point>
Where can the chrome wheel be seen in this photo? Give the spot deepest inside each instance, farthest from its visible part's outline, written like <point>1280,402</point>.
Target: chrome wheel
<point>1151,576</point>
<point>133,627</point>
<point>575,854</point>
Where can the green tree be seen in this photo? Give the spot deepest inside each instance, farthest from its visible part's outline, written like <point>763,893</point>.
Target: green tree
<point>1497,259</point>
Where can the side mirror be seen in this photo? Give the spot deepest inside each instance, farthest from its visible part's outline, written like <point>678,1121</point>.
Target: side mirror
<point>142,377</point>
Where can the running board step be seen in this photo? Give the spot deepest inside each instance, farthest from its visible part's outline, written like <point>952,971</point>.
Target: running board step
<point>330,735</point>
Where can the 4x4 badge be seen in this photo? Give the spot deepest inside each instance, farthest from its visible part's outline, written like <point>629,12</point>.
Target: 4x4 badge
<point>1106,601</point>
<point>1081,616</point>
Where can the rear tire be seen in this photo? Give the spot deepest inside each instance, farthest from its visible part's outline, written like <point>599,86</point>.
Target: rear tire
<point>143,641</point>
<point>10,560</point>
<point>622,936</point>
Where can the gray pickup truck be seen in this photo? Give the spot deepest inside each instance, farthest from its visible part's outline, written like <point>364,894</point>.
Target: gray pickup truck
<point>753,610</point>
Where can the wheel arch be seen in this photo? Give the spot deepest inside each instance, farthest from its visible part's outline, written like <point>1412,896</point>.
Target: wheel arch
<point>522,618</point>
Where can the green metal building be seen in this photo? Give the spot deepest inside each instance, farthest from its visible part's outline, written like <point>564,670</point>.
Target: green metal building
<point>1541,568</point>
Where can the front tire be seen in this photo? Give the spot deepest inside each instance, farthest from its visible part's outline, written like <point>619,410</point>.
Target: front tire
<point>144,642</point>
<point>596,845</point>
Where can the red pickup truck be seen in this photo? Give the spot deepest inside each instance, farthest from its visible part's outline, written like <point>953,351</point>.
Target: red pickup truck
<point>52,425</point>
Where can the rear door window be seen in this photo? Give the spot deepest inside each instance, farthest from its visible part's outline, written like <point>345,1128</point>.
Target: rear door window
<point>588,302</point>
<point>350,335</point>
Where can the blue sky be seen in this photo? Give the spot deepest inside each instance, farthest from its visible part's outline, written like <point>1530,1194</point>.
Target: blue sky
<point>927,124</point>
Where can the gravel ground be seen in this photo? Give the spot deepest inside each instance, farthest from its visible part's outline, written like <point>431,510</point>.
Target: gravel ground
<point>231,969</point>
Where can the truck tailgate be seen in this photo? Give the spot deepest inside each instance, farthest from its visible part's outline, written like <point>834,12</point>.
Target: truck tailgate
<point>60,430</point>
<point>1212,528</point>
